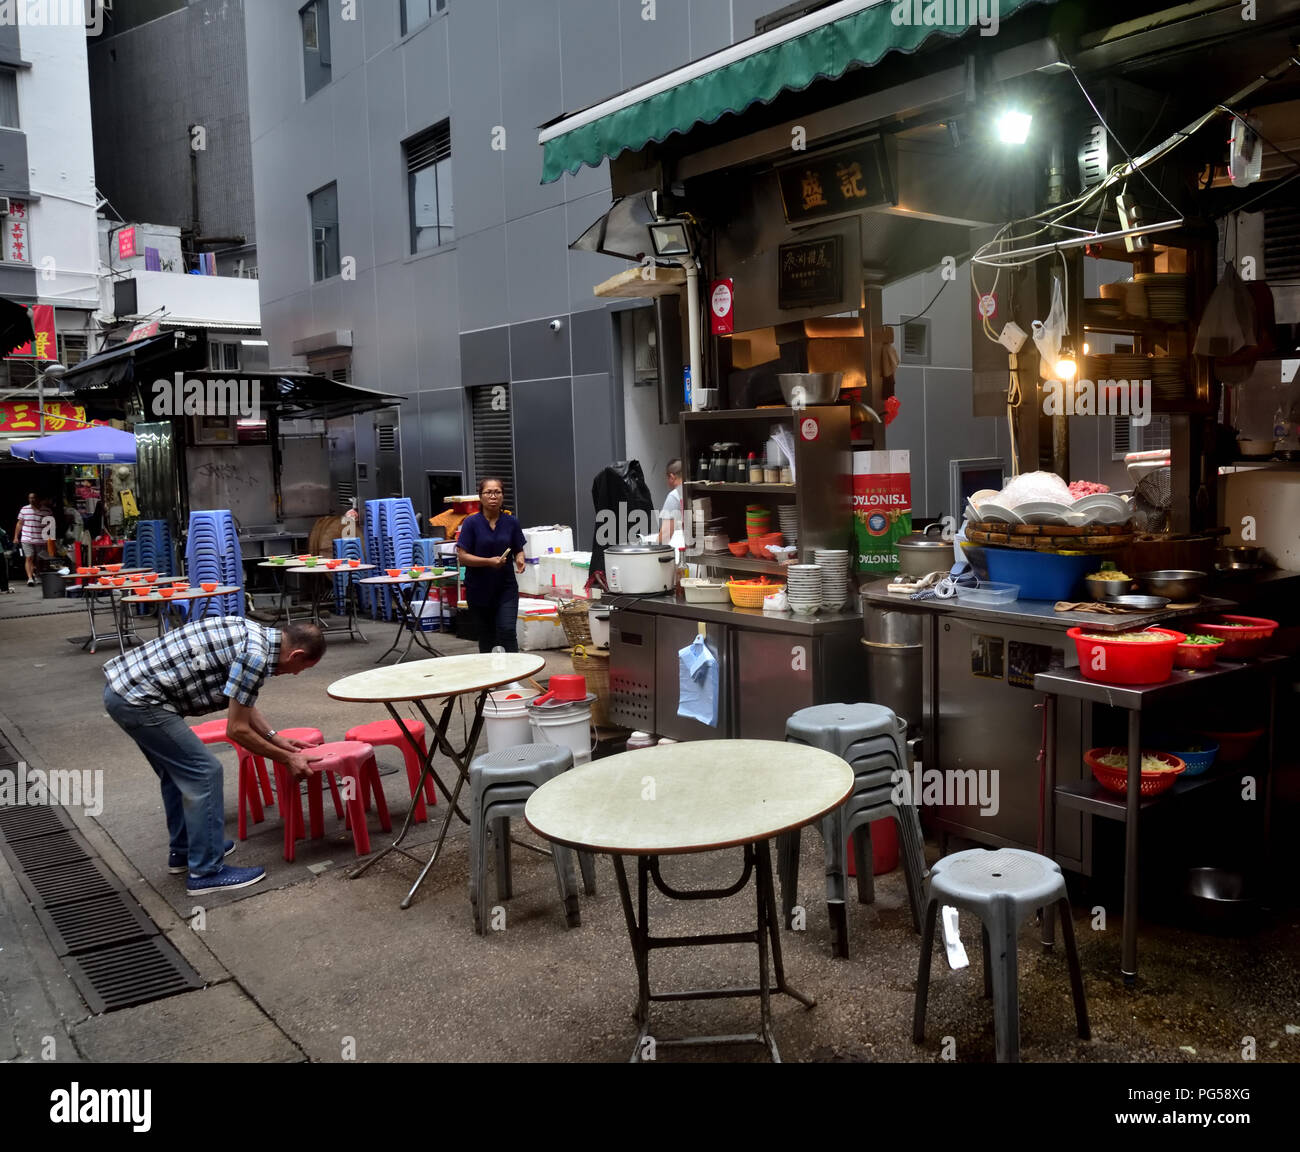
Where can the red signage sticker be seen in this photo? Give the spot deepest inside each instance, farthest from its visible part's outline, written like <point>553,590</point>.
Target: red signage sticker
<point>126,243</point>
<point>722,302</point>
<point>988,305</point>
<point>809,429</point>
<point>46,345</point>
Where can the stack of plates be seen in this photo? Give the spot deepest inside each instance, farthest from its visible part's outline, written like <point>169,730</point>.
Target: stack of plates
<point>1166,295</point>
<point>1168,377</point>
<point>787,517</point>
<point>834,563</point>
<point>803,587</point>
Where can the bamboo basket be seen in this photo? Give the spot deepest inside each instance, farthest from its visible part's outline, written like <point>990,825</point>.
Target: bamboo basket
<point>576,624</point>
<point>594,665</point>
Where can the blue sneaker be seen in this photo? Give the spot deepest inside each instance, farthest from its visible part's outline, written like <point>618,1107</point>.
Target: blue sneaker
<point>227,880</point>
<point>178,862</point>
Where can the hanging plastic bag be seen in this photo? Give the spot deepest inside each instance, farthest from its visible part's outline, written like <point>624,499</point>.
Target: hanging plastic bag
<point>1228,323</point>
<point>1050,334</point>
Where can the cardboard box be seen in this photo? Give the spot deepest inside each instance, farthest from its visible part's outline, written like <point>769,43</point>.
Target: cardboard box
<point>882,509</point>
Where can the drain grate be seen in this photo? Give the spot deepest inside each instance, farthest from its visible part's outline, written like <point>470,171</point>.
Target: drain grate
<point>114,919</point>
<point>69,883</point>
<point>28,821</point>
<point>131,974</point>
<point>52,851</point>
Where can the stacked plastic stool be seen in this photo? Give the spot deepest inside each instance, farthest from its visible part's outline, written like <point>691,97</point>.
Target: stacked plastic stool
<point>390,535</point>
<point>873,740</point>
<point>349,548</point>
<point>153,540</point>
<point>1003,887</point>
<point>212,553</point>
<point>383,733</point>
<point>500,784</point>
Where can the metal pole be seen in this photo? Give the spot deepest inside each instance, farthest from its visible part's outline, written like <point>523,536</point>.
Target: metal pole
<point>40,398</point>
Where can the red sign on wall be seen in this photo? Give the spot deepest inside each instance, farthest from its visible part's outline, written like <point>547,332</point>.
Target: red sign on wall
<point>59,417</point>
<point>45,346</point>
<point>722,303</point>
<point>126,243</point>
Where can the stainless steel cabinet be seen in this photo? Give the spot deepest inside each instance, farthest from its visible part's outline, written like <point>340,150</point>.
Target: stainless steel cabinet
<point>776,675</point>
<point>632,669</point>
<point>672,635</point>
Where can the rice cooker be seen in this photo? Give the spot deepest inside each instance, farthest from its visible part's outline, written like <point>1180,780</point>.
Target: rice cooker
<point>641,569</point>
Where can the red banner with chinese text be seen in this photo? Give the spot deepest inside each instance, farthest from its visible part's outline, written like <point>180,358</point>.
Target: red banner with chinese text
<point>45,346</point>
<point>59,417</point>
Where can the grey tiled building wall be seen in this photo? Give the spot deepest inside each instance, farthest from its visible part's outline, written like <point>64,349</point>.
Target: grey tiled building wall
<point>148,84</point>
<point>476,311</point>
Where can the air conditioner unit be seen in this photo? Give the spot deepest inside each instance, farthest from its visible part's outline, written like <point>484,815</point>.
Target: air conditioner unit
<point>4,205</point>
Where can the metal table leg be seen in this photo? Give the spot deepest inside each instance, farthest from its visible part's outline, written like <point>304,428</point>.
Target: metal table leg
<point>1048,809</point>
<point>350,604</point>
<point>408,622</point>
<point>1128,964</point>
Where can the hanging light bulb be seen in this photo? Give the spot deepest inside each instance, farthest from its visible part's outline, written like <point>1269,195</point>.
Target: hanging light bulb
<point>1066,367</point>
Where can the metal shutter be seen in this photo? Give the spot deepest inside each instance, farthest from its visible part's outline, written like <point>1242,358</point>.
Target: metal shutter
<point>1282,243</point>
<point>494,445</point>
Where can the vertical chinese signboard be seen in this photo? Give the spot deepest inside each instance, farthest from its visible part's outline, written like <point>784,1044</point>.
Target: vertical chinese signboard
<point>17,242</point>
<point>45,345</point>
<point>126,243</point>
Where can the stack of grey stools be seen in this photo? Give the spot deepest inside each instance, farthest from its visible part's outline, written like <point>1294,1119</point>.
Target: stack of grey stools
<point>874,741</point>
<point>500,784</point>
<point>1003,887</point>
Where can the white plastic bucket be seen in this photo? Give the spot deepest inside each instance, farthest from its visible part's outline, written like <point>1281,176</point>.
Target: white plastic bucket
<point>568,725</point>
<point>505,716</point>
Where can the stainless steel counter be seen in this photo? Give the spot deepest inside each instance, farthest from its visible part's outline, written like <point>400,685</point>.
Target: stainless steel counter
<point>748,619</point>
<point>1038,613</point>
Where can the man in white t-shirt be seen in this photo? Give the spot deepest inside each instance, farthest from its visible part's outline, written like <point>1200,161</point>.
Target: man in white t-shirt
<point>670,515</point>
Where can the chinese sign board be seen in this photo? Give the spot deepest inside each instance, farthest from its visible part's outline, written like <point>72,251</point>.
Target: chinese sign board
<point>722,307</point>
<point>44,346</point>
<point>17,241</point>
<point>143,331</point>
<point>810,272</point>
<point>59,417</point>
<point>126,243</point>
<point>835,183</point>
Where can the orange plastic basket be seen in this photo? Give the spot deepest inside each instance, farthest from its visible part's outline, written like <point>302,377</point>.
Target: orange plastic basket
<point>1116,779</point>
<point>750,594</point>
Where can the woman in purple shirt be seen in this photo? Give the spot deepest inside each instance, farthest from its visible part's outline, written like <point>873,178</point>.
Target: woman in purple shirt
<point>485,545</point>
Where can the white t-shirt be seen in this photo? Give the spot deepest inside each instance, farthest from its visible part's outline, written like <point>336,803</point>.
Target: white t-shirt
<point>672,509</point>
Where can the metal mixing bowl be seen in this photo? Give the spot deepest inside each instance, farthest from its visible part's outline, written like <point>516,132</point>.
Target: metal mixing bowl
<point>1222,900</point>
<point>1105,589</point>
<point>1176,584</point>
<point>803,388</point>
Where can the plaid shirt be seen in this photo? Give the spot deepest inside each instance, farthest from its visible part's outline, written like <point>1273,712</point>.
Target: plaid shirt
<point>198,668</point>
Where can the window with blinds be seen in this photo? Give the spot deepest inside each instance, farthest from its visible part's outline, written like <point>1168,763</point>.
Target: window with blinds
<point>428,175</point>
<point>494,445</point>
<point>9,99</point>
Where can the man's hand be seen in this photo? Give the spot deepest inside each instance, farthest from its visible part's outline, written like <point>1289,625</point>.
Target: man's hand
<point>293,745</point>
<point>299,765</point>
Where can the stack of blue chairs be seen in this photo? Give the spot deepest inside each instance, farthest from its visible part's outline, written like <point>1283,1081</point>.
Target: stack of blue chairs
<point>390,536</point>
<point>349,548</point>
<point>130,554</point>
<point>212,553</point>
<point>426,553</point>
<point>153,540</point>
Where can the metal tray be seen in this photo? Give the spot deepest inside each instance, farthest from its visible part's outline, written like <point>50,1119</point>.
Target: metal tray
<point>1145,603</point>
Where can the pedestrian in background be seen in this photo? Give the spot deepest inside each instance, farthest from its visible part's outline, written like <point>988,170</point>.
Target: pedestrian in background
<point>28,534</point>
<point>490,545</point>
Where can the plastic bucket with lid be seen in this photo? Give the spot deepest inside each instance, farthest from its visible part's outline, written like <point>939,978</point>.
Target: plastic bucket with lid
<point>565,725</point>
<point>505,716</point>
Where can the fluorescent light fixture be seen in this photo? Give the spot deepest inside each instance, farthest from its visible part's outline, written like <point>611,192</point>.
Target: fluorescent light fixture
<point>670,239</point>
<point>256,343</point>
<point>1013,126</point>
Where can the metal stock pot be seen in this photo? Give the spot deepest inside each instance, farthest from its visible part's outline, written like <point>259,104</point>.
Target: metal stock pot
<point>920,553</point>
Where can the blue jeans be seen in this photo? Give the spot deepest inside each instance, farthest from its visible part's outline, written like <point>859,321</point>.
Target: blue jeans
<point>497,623</point>
<point>191,778</point>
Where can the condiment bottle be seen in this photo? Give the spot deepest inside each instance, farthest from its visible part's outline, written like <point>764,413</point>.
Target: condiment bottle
<point>755,470</point>
<point>702,470</point>
<point>731,465</point>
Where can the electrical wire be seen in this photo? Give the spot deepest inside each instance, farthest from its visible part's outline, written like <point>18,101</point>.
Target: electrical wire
<point>909,319</point>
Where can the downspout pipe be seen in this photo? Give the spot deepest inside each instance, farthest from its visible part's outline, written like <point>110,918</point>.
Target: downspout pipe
<point>694,334</point>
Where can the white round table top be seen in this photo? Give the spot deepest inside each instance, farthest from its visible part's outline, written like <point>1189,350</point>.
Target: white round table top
<point>692,797</point>
<point>423,578</point>
<point>444,676</point>
<point>188,594</point>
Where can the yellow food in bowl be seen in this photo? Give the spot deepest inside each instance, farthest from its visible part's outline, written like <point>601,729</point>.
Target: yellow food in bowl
<point>1108,576</point>
<point>1149,763</point>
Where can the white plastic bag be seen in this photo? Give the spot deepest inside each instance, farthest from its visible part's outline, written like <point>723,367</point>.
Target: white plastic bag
<point>776,603</point>
<point>1229,320</point>
<point>1049,334</point>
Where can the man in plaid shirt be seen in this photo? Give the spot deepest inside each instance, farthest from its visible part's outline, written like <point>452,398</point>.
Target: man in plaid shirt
<point>208,665</point>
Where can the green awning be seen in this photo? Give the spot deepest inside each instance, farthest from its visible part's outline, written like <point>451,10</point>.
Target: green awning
<point>853,33</point>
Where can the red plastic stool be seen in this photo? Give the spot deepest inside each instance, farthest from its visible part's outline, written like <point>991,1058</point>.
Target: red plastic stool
<point>290,798</point>
<point>352,760</point>
<point>383,733</point>
<point>252,773</point>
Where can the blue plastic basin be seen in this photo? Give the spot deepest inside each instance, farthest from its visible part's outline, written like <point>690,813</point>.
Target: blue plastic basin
<point>1040,575</point>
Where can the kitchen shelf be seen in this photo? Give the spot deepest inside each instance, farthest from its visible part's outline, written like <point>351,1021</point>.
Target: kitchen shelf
<point>1134,325</point>
<point>707,486</point>
<point>1089,796</point>
<point>735,563</point>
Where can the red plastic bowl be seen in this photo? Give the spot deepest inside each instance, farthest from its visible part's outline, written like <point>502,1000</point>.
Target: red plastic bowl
<point>208,586</point>
<point>1116,779</point>
<point>1239,643</point>
<point>1234,746</point>
<point>1197,655</point>
<point>1126,662</point>
<point>166,593</point>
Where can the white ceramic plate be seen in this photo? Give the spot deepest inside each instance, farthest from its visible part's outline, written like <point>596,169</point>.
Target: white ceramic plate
<point>1103,508</point>
<point>1043,512</point>
<point>996,514</point>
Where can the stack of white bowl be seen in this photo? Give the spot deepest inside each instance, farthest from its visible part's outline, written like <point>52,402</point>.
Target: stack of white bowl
<point>787,518</point>
<point>834,563</point>
<point>803,587</point>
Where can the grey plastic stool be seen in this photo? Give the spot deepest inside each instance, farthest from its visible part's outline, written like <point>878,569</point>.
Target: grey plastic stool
<point>500,784</point>
<point>873,740</point>
<point>1003,887</point>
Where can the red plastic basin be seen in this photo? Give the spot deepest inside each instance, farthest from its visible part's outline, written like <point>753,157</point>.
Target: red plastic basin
<point>1240,642</point>
<point>1115,661</point>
